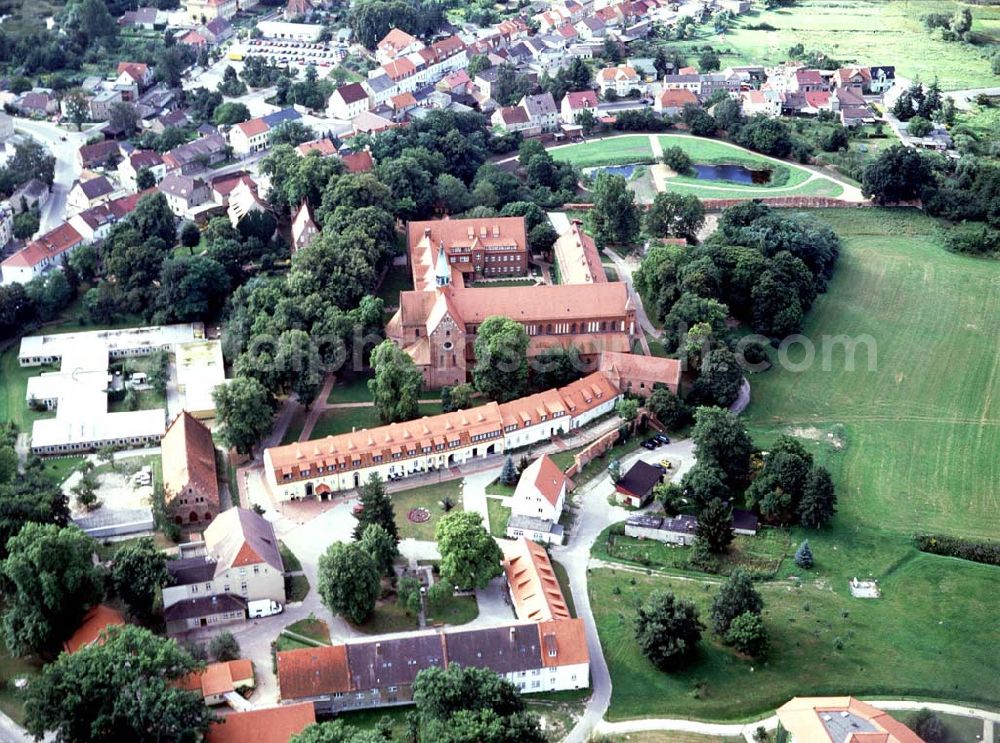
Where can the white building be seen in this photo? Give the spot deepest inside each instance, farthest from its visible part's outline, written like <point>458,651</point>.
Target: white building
<point>620,80</point>
<point>41,254</point>
<point>540,493</point>
<point>305,32</point>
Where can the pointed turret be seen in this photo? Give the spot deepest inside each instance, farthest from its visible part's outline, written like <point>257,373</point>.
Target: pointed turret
<point>442,271</point>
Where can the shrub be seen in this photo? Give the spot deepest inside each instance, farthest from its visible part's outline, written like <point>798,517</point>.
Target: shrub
<point>972,238</point>
<point>224,647</point>
<point>987,553</point>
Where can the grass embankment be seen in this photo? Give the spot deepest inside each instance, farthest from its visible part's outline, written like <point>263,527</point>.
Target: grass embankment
<point>911,448</point>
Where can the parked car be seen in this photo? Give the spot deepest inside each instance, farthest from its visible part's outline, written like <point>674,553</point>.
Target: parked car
<point>263,608</point>
<point>665,463</point>
<point>649,444</point>
<point>662,438</point>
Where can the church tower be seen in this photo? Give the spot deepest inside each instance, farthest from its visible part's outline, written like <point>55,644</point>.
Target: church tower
<point>442,271</point>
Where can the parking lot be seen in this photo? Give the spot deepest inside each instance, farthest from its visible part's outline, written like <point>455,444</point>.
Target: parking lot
<point>294,53</point>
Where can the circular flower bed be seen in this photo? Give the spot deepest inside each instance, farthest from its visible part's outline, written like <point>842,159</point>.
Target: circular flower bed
<point>419,515</point>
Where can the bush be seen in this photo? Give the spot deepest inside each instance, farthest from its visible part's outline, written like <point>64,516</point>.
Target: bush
<point>972,238</point>
<point>987,553</point>
<point>224,647</point>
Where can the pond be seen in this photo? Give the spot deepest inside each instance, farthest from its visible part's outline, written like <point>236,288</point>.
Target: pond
<point>733,173</point>
<point>625,171</point>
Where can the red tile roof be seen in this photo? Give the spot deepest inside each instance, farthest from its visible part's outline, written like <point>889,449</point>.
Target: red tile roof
<point>352,93</point>
<point>50,245</point>
<point>270,725</point>
<point>397,69</point>
<point>677,98</point>
<point>563,642</point>
<point>95,623</point>
<point>188,454</point>
<point>532,581</point>
<point>323,146</point>
<point>582,99</point>
<point>396,40</point>
<point>253,127</point>
<point>135,70</point>
<point>358,162</point>
<point>310,672</point>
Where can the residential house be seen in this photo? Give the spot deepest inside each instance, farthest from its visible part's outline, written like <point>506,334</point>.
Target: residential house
<point>37,104</point>
<point>184,193</point>
<point>379,671</point>
<point>217,30</point>
<point>636,486</point>
<point>322,147</point>
<point>138,160</point>
<point>338,463</point>
<point>243,200</point>
<point>671,101</point>
<point>88,193</point>
<point>590,28</point>
<point>575,103</point>
<point>485,80</point>
<point>402,103</point>
<point>379,89</point>
<point>296,9</point>
<point>197,156</point>
<point>6,223</point>
<point>358,162</point>
<point>96,222</point>
<point>217,680</point>
<point>193,39</point>
<point>262,725</point>
<point>619,80</point>
<point>100,103</point>
<point>538,502</point>
<point>172,119</point>
<point>40,255</point>
<point>369,122</point>
<point>846,719</point>
<point>857,79</point>
<point>249,136</point>
<point>137,75</point>
<point>304,229</point>
<point>241,561</point>
<point>532,583</point>
<point>190,481</point>
<point>203,11</point>
<point>144,18</point>
<point>93,628</point>
<point>638,374</point>
<point>281,116</point>
<point>542,111</point>
<point>33,194</point>
<point>683,81</point>
<point>881,78</point>
<point>397,43</point>
<point>568,33</point>
<point>807,81</point>
<point>457,83</point>
<point>223,185</point>
<point>765,102</point>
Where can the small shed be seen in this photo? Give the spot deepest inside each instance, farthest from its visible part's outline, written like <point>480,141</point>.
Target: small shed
<point>636,487</point>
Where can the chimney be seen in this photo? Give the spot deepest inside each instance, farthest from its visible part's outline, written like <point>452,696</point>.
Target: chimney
<point>427,231</point>
<point>378,648</point>
<point>513,631</point>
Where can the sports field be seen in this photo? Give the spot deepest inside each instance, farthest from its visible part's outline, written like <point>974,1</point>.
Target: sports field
<point>877,32</point>
<point>913,445</point>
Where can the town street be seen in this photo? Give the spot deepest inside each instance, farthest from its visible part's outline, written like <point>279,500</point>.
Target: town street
<point>64,146</point>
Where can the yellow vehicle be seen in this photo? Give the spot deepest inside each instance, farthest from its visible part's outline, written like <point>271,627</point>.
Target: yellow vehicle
<point>236,56</point>
<point>665,463</point>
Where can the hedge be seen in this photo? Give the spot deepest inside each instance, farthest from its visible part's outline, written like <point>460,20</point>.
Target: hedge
<point>987,553</point>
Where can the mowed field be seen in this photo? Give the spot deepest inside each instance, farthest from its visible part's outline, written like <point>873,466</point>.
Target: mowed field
<point>913,445</point>
<point>884,32</point>
<point>920,432</point>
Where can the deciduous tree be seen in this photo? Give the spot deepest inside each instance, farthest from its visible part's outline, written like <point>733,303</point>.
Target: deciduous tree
<point>668,631</point>
<point>501,370</point>
<point>138,571</point>
<point>748,634</point>
<point>614,218</point>
<point>244,410</point>
<point>722,438</point>
<point>470,558</point>
<point>736,596</point>
<point>349,581</point>
<point>396,386</point>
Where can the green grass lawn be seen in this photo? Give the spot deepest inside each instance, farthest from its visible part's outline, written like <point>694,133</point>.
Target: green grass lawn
<point>452,610</point>
<point>13,406</point>
<point>397,279</point>
<point>563,579</point>
<point>295,425</point>
<point>610,151</point>
<point>962,729</point>
<point>860,32</point>
<point>497,488</point>
<point>351,389</point>
<point>289,560</point>
<point>763,553</point>
<point>344,420</point>
<point>429,497</point>
<point>311,627</point>
<point>899,644</point>
<point>389,616</point>
<point>654,736</point>
<point>499,512</point>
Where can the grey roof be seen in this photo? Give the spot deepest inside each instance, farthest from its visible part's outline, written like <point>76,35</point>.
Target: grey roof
<point>689,78</point>
<point>501,649</point>
<point>380,84</point>
<point>105,517</point>
<point>96,187</point>
<point>281,116</point>
<point>190,570</point>
<point>489,75</point>
<point>540,105</point>
<point>391,662</point>
<point>640,479</point>
<point>841,725</point>
<point>889,71</point>
<point>530,523</point>
<point>352,92</point>
<point>205,606</point>
<point>744,520</point>
<point>232,530</point>
<point>180,185</point>
<point>211,144</point>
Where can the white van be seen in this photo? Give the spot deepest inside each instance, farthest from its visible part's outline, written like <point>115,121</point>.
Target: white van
<point>263,608</point>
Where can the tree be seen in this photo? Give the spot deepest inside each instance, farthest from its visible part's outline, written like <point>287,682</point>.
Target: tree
<point>501,348</point>
<point>675,215</point>
<point>614,218</point>
<point>231,86</point>
<point>748,634</point>
<point>144,179</point>
<point>668,631</point>
<point>819,499</point>
<point>720,379</point>
<point>461,396</point>
<point>51,582</point>
<point>243,410</point>
<point>670,495</point>
<point>138,571</point>
<point>715,526</point>
<point>230,113</point>
<point>192,288</point>
<point>29,497</point>
<point>381,547</point>
<point>376,508</point>
<point>699,122</point>
<point>668,408</point>
<point>452,193</point>
<point>615,471</point>
<point>349,581</point>
<point>918,126</point>
<point>705,482</point>
<point>508,475</point>
<point>470,558</point>
<point>336,731</point>
<point>123,117</point>
<point>804,556</point>
<point>94,21</point>
<point>736,596</point>
<point>587,121</point>
<point>124,689</point>
<point>299,365</point>
<point>764,134</point>
<point>898,174</point>
<point>152,218</point>
<point>721,437</point>
<point>25,225</point>
<point>292,133</point>
<point>677,160</point>
<point>396,386</point>
<point>708,61</point>
<point>77,107</point>
<point>929,727</point>
<point>728,115</point>
<point>190,235</point>
<point>224,647</point>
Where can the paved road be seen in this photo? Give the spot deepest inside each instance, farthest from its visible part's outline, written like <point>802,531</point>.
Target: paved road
<point>63,145</point>
<point>593,515</point>
<point>964,98</point>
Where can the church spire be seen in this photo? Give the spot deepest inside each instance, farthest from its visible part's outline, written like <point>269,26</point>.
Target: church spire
<point>442,271</point>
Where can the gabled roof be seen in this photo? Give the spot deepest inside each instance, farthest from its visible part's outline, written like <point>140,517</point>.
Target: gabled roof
<point>677,97</point>
<point>281,116</point>
<point>630,367</point>
<point>218,678</point>
<point>358,162</point>
<point>188,454</point>
<point>268,725</point>
<point>135,70</point>
<point>94,624</point>
<point>539,105</point>
<point>239,537</point>
<point>94,188</point>
<point>513,115</point>
<point>351,93</point>
<point>313,672</point>
<point>532,582</point>
<point>324,147</point>
<point>619,72</point>
<point>403,101</point>
<point>542,477</point>
<point>219,26</point>
<point>396,40</point>
<point>253,128</point>
<point>808,77</point>
<point>99,151</point>
<point>639,480</point>
<point>50,245</point>
<point>145,159</point>
<point>581,99</point>
<point>397,69</point>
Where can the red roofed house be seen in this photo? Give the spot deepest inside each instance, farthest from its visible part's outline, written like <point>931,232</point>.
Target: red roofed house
<point>358,162</point>
<point>40,255</point>
<point>348,101</point>
<point>190,480</point>
<point>576,255</point>
<point>269,725</point>
<point>673,100</point>
<point>249,136</point>
<point>854,78</point>
<point>573,104</point>
<point>619,80</point>
<point>133,78</point>
<point>323,147</point>
<point>639,374</point>
<point>91,630</point>
<point>512,119</point>
<point>534,588</point>
<point>540,496</point>
<point>841,720</point>
<point>816,101</point>
<point>402,103</point>
<point>805,81</point>
<point>396,43</point>
<point>219,679</point>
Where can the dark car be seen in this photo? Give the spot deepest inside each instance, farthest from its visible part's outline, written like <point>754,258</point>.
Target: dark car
<point>662,438</point>
<point>647,444</point>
